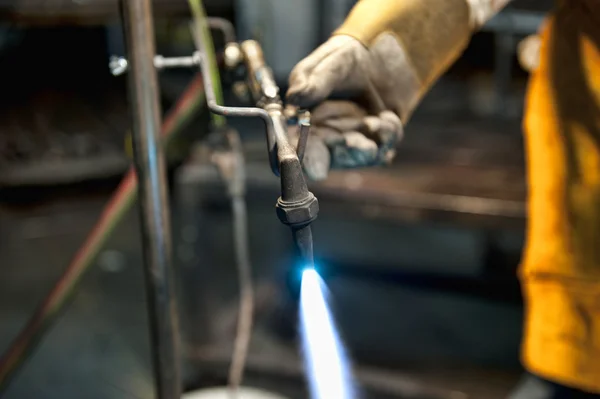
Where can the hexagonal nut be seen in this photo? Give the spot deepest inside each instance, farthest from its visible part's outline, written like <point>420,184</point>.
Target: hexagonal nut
<point>298,214</point>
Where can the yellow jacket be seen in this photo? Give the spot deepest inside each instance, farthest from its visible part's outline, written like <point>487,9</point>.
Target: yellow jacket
<point>560,271</point>
<point>561,264</point>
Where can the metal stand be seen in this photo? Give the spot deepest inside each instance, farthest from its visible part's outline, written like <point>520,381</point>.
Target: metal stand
<point>150,167</point>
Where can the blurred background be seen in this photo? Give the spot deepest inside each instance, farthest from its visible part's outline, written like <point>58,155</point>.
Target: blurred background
<point>420,257</point>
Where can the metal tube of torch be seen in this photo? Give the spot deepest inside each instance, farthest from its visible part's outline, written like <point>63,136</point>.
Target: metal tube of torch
<point>150,168</point>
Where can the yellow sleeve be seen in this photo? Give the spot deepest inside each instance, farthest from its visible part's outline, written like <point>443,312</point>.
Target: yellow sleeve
<point>433,33</point>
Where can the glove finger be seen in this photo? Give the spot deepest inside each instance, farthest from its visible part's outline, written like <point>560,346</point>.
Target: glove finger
<point>311,88</point>
<point>301,71</point>
<point>317,159</point>
<point>394,119</point>
<point>331,137</point>
<point>336,109</point>
<point>386,129</point>
<point>388,156</point>
<point>391,131</point>
<point>344,124</point>
<point>356,151</point>
<point>370,127</point>
<point>299,77</point>
<point>311,84</point>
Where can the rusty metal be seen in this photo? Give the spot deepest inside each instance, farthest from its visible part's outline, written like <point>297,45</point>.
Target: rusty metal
<point>302,139</point>
<point>154,209</point>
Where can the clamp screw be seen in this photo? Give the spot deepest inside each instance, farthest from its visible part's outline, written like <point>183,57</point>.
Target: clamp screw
<point>119,65</point>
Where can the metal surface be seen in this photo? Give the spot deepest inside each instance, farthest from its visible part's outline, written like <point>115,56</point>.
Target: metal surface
<point>304,244</point>
<point>232,55</point>
<point>260,75</point>
<point>150,167</point>
<point>297,207</point>
<point>302,139</point>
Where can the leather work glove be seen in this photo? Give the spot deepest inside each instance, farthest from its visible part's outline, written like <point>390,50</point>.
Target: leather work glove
<point>345,135</point>
<point>384,58</point>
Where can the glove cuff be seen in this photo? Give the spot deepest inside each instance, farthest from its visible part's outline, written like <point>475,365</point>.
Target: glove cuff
<point>433,33</point>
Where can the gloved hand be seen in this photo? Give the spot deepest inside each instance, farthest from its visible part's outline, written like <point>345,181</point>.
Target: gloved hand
<point>345,135</point>
<point>385,57</point>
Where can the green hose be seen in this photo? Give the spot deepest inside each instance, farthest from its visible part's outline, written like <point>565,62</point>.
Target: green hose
<point>200,22</point>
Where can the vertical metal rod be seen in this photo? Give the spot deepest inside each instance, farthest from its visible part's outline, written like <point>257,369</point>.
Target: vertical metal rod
<point>155,223</point>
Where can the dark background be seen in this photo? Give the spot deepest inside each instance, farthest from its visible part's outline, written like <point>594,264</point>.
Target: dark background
<point>420,257</point>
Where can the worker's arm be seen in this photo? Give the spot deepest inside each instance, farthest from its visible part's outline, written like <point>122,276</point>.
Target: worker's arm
<point>388,53</point>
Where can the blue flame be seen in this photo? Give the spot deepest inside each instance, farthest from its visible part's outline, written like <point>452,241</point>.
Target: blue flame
<point>327,367</point>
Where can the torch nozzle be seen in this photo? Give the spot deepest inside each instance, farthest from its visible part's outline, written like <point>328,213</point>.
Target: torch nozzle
<point>304,244</point>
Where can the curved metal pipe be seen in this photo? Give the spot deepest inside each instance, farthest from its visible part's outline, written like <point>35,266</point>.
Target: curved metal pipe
<point>211,101</point>
<point>224,26</point>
